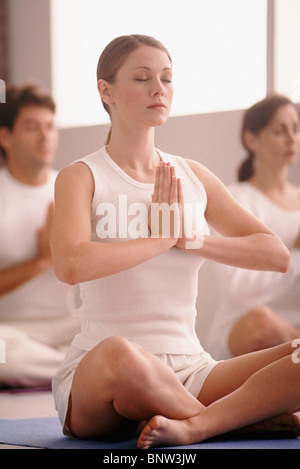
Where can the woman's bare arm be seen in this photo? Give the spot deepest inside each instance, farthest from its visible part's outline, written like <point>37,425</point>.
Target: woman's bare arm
<point>75,257</point>
<point>16,275</point>
<point>245,241</point>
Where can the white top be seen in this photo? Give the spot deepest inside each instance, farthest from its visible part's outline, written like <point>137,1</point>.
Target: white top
<point>23,209</point>
<point>152,304</point>
<point>241,289</point>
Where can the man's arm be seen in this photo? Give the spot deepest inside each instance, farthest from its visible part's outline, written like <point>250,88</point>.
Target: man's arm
<point>14,276</point>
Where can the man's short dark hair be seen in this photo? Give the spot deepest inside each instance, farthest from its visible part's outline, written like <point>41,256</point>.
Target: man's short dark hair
<point>18,97</point>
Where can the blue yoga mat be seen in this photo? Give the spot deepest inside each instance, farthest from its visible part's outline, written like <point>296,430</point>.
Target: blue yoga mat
<point>47,433</point>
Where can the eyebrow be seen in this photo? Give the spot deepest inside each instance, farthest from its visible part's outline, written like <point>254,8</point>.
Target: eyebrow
<point>282,123</point>
<point>34,121</point>
<point>29,120</point>
<point>148,68</point>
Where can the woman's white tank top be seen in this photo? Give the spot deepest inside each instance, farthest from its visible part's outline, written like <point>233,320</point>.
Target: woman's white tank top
<point>154,303</point>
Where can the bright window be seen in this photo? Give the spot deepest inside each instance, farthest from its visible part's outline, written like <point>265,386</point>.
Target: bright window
<point>218,50</point>
<point>287,40</point>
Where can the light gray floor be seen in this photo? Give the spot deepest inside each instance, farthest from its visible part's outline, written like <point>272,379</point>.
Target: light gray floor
<point>26,405</point>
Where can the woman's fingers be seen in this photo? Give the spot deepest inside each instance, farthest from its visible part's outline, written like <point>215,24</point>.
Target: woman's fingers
<point>180,193</point>
<point>161,183</point>
<point>167,188</point>
<point>156,186</point>
<point>173,189</point>
<point>167,184</point>
<point>167,217</point>
<point>164,187</point>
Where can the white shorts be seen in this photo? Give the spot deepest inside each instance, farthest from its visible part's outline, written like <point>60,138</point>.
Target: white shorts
<point>216,341</point>
<point>192,371</point>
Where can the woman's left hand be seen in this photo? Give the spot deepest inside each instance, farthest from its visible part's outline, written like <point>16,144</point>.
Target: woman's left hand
<point>166,215</point>
<point>164,212</point>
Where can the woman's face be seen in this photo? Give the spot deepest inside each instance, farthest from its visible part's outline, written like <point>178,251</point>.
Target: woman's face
<point>142,92</point>
<point>279,142</point>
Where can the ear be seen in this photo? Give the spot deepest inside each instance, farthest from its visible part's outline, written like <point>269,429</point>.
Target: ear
<point>4,137</point>
<point>250,140</point>
<point>105,91</point>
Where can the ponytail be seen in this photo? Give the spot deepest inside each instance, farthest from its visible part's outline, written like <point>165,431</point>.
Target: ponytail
<point>246,169</point>
<point>256,118</point>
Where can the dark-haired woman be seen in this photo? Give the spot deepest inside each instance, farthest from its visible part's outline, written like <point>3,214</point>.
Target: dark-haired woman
<point>261,309</point>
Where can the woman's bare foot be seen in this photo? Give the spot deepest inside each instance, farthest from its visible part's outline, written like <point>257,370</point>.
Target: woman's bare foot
<point>161,430</point>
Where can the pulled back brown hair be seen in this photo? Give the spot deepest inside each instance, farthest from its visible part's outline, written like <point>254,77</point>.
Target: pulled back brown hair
<point>115,54</point>
<point>256,118</point>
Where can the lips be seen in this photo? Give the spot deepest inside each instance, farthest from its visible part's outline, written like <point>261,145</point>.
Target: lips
<point>291,152</point>
<point>157,106</point>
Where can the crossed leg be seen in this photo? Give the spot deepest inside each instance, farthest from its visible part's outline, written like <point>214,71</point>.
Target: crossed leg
<point>118,385</point>
<point>237,393</point>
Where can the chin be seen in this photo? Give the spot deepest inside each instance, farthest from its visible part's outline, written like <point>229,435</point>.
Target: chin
<point>46,160</point>
<point>291,160</point>
<point>158,122</point>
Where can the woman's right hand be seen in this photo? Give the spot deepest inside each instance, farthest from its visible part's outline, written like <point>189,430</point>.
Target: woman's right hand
<point>165,216</point>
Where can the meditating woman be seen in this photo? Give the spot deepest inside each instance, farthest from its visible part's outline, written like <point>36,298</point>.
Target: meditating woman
<point>137,367</point>
<point>258,309</point>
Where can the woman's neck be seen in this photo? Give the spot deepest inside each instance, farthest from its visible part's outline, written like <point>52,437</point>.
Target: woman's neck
<point>275,185</point>
<point>270,180</point>
<point>135,154</point>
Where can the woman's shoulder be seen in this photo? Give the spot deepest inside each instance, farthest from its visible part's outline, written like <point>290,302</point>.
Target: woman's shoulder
<point>92,158</point>
<point>198,167</point>
<point>207,178</point>
<point>75,175</point>
<point>81,165</point>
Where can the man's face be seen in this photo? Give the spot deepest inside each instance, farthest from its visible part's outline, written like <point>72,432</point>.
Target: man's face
<point>33,139</point>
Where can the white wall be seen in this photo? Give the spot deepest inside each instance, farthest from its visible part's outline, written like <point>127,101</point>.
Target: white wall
<point>29,41</point>
<point>286,62</point>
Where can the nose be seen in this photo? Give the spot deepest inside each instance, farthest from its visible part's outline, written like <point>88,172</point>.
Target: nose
<point>157,88</point>
<point>46,132</point>
<point>292,136</point>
